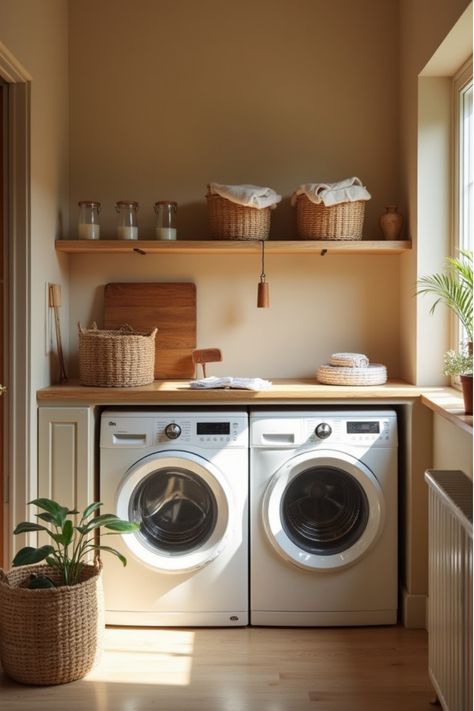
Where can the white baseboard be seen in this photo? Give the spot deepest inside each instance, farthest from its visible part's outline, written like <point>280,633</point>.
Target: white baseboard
<point>414,610</point>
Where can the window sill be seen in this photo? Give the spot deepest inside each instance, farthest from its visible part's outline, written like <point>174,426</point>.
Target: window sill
<point>448,403</point>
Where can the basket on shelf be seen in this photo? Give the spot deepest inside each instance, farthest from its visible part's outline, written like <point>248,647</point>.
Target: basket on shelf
<point>343,221</point>
<point>373,374</point>
<point>50,635</point>
<point>229,220</point>
<point>116,358</point>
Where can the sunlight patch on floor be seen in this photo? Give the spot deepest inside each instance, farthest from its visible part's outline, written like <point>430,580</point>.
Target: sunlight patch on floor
<point>137,656</point>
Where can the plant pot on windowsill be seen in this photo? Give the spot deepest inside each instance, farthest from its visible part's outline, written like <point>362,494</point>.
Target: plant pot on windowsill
<point>466,383</point>
<point>454,289</point>
<point>459,363</point>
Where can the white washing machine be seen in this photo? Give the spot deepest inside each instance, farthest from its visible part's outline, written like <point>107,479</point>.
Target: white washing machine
<point>183,476</point>
<point>323,518</point>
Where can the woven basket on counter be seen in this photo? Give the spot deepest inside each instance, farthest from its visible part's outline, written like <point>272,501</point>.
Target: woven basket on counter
<point>374,374</point>
<point>116,358</point>
<point>343,221</point>
<point>228,220</point>
<point>50,635</point>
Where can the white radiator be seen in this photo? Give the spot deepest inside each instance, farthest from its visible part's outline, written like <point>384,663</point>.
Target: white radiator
<point>450,588</point>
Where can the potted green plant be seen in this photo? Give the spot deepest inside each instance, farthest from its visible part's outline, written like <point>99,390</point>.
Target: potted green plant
<point>51,602</point>
<point>459,363</point>
<point>453,288</point>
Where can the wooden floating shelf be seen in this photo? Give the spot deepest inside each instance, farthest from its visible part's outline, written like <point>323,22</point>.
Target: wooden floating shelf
<point>143,247</point>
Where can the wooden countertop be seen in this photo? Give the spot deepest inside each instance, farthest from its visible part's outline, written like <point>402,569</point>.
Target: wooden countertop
<point>444,401</point>
<point>179,392</point>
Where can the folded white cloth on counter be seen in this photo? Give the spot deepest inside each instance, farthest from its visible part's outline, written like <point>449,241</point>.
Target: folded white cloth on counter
<point>248,195</point>
<point>349,360</point>
<point>347,190</point>
<point>230,382</point>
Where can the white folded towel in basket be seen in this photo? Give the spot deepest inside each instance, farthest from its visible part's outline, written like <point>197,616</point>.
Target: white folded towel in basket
<point>349,360</point>
<point>347,190</point>
<point>247,195</point>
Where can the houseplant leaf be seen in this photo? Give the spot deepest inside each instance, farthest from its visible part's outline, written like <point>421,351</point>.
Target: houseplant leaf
<point>27,527</point>
<point>113,551</point>
<point>58,512</point>
<point>29,555</point>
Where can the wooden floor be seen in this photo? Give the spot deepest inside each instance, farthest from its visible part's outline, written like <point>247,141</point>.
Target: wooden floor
<point>249,669</point>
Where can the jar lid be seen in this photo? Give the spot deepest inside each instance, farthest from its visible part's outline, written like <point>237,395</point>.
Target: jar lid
<point>128,203</point>
<point>172,203</point>
<point>92,203</point>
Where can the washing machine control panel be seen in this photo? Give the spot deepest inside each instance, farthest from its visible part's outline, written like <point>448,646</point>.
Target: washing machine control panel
<point>205,432</point>
<point>379,431</point>
<point>173,428</point>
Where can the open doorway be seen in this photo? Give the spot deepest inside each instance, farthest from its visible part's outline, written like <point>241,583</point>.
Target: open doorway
<point>15,406</point>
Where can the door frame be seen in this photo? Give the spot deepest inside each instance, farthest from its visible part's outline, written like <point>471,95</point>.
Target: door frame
<point>17,402</point>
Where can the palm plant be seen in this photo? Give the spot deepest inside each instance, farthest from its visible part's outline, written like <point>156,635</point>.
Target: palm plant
<point>73,544</point>
<point>453,288</point>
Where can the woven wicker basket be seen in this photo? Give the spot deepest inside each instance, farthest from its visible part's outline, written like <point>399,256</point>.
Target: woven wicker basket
<point>50,635</point>
<point>343,221</point>
<point>116,359</point>
<point>374,374</point>
<point>228,220</point>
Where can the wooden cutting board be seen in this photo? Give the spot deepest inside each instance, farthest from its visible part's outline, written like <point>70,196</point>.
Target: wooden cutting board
<point>169,307</point>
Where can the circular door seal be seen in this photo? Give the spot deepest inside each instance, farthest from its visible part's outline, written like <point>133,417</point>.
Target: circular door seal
<point>192,506</point>
<point>323,510</point>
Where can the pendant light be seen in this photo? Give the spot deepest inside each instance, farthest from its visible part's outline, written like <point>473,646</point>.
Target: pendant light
<point>263,296</point>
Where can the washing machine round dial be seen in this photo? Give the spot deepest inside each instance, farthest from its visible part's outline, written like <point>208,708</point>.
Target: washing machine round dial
<point>323,430</point>
<point>172,431</point>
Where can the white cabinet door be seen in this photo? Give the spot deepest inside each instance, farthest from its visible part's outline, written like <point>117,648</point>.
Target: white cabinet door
<point>66,455</point>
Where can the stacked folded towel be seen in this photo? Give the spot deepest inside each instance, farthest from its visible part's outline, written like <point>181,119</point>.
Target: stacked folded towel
<point>247,195</point>
<point>347,190</point>
<point>349,360</point>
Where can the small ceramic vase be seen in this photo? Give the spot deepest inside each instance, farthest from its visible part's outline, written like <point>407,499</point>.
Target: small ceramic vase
<point>391,223</point>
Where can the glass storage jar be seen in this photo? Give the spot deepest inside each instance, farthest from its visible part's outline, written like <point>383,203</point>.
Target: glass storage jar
<point>165,219</point>
<point>127,226</point>
<point>88,225</point>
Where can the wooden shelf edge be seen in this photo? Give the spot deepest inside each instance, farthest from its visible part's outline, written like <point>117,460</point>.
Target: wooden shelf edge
<point>143,247</point>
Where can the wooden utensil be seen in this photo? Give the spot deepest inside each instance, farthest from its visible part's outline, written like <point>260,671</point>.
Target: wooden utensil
<point>54,300</point>
<point>206,355</point>
<point>170,307</point>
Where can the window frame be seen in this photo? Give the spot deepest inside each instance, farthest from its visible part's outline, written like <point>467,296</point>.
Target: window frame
<point>462,80</point>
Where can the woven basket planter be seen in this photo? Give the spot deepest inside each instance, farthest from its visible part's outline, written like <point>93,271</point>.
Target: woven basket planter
<point>343,221</point>
<point>51,635</point>
<point>116,359</point>
<point>228,220</point>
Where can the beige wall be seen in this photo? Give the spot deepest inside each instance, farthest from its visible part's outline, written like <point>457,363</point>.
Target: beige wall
<point>167,96</point>
<point>424,172</point>
<point>452,447</point>
<point>36,35</point>
<point>424,24</point>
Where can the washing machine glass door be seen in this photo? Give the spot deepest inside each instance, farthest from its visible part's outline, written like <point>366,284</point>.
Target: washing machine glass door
<point>323,510</point>
<point>183,506</point>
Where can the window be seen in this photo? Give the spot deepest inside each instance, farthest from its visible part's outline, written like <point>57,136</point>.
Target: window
<point>463,237</point>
